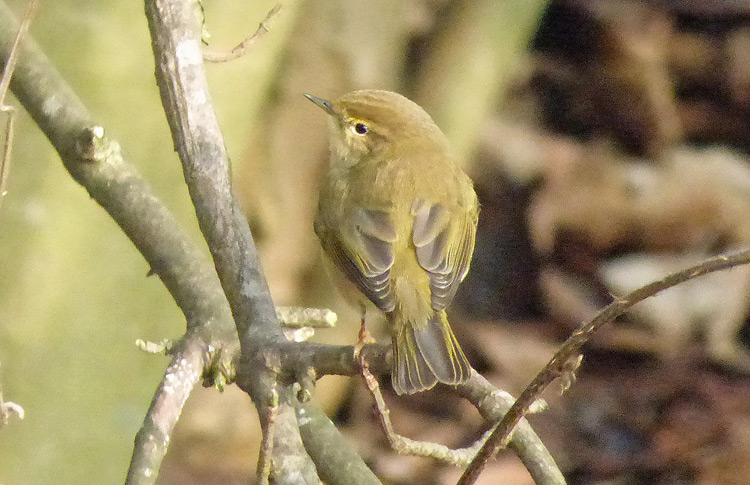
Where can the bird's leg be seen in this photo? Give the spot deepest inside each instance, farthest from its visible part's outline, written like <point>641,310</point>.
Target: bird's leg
<point>364,336</point>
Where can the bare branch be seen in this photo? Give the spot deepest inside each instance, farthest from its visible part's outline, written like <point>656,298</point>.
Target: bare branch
<point>152,439</point>
<point>408,446</point>
<point>266,446</point>
<point>10,66</point>
<point>336,460</point>
<point>493,405</point>
<point>560,363</point>
<point>174,26</point>
<point>243,47</point>
<point>200,146</point>
<point>95,161</point>
<point>491,402</point>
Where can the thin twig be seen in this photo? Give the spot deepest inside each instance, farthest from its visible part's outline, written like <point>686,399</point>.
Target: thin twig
<point>266,445</point>
<point>560,363</point>
<point>493,404</point>
<point>299,323</point>
<point>408,446</point>
<point>242,48</point>
<point>10,66</point>
<point>7,149</point>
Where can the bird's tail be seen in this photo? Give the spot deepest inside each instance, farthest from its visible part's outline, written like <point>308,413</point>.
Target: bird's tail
<point>425,353</point>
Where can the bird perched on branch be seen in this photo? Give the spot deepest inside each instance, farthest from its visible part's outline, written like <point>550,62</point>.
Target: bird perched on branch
<point>397,216</point>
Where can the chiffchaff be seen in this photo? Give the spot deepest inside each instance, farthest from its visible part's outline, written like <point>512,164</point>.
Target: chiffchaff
<point>398,217</point>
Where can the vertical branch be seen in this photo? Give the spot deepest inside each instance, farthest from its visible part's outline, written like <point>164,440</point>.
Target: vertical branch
<point>198,141</point>
<point>10,66</point>
<point>7,148</point>
<point>174,27</point>
<point>266,446</point>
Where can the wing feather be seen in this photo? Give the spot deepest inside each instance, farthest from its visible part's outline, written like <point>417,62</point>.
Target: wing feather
<point>443,248</point>
<point>363,249</point>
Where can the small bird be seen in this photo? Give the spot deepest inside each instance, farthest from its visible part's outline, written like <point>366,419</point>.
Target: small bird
<point>397,216</point>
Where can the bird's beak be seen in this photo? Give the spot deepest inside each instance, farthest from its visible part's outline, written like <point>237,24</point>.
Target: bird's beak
<point>326,105</point>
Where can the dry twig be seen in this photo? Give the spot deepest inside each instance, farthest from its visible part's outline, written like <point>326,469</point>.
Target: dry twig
<point>560,364</point>
<point>10,66</point>
<point>242,48</point>
<point>407,446</point>
<point>266,446</point>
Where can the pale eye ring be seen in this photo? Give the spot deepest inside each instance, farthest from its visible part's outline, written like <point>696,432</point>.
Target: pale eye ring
<point>360,128</point>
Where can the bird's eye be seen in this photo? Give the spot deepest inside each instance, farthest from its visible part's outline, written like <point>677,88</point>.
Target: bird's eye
<point>360,128</point>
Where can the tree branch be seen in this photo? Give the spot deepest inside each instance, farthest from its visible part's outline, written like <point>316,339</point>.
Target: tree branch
<point>174,27</point>
<point>336,460</point>
<point>493,404</point>
<point>94,160</point>
<point>559,365</point>
<point>242,48</point>
<point>407,446</point>
<point>7,75</point>
<point>152,440</point>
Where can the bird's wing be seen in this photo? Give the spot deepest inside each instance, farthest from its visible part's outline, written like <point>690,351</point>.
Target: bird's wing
<point>364,252</point>
<point>443,248</point>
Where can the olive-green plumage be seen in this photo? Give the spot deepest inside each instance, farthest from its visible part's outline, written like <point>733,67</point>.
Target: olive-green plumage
<point>398,217</point>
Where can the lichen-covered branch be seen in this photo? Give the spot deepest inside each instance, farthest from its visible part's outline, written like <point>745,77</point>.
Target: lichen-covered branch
<point>152,440</point>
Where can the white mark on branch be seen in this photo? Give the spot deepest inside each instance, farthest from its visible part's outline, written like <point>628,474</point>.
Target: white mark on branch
<point>188,53</point>
<point>298,334</point>
<point>301,418</point>
<point>51,106</point>
<point>197,97</point>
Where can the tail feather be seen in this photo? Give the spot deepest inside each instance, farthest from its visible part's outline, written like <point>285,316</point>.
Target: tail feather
<point>425,354</point>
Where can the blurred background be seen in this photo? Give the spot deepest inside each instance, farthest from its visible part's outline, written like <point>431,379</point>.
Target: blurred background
<point>608,141</point>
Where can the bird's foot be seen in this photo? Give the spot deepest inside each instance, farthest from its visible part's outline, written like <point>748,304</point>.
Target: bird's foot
<point>363,339</point>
